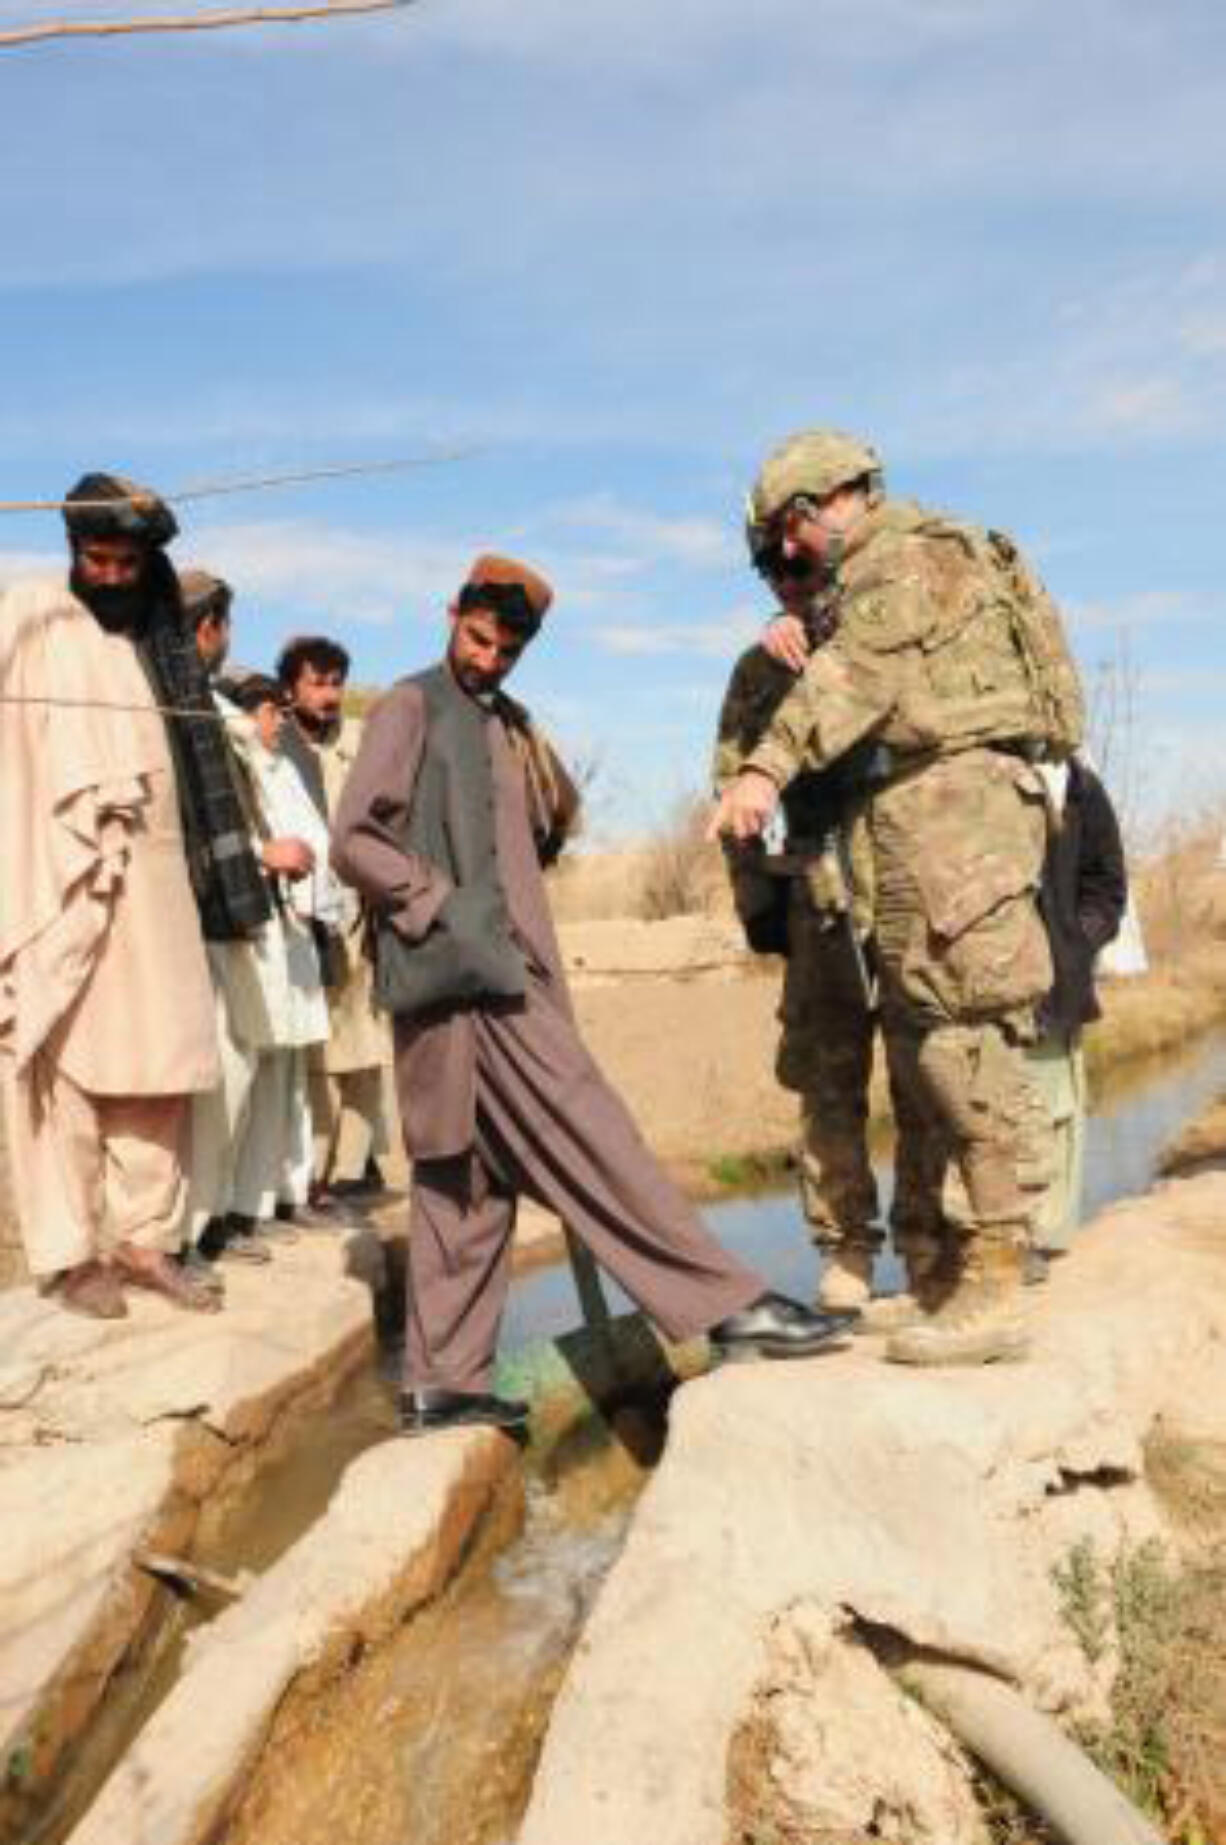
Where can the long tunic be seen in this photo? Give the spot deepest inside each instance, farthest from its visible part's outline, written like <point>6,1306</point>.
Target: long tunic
<point>285,957</point>
<point>106,1007</point>
<point>436,1056</point>
<point>358,1035</point>
<point>502,1098</point>
<point>100,944</point>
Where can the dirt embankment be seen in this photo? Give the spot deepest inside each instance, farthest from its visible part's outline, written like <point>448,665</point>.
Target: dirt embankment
<point>1199,1146</point>
<point>818,1537</point>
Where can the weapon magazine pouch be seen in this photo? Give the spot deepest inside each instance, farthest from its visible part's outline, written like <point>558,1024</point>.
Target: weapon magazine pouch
<point>761,898</point>
<point>766,928</point>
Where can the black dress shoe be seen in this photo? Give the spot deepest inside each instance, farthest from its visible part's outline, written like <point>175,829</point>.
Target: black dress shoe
<point>775,1327</point>
<point>429,1408</point>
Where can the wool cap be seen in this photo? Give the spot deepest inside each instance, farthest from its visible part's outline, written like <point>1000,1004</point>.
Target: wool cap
<point>493,573</point>
<point>108,506</point>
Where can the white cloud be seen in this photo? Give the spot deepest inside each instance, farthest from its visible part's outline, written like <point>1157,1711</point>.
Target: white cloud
<point>1147,608</point>
<point>333,572</point>
<point>721,639</point>
<point>1203,335</point>
<point>702,543</point>
<point>346,573</point>
<point>782,115</point>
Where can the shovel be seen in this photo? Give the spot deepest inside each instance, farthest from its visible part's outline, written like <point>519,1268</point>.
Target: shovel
<point>619,1362</point>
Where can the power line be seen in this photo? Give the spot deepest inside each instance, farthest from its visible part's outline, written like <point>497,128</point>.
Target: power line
<point>198,22</point>
<point>258,483</point>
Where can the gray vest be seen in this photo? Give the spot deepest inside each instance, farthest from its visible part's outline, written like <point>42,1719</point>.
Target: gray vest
<point>468,954</point>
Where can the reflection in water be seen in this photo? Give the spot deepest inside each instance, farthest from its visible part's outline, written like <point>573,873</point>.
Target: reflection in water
<point>1133,1117</point>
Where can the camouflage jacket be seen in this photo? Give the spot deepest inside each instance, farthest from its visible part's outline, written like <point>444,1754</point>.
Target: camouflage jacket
<point>759,684</point>
<point>815,804</point>
<point>923,660</point>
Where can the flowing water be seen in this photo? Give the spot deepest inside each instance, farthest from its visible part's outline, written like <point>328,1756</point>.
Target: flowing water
<point>436,1742</point>
<point>1133,1115</point>
<point>433,1741</point>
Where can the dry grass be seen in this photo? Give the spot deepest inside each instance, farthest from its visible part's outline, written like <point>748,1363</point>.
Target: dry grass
<point>1159,1010</point>
<point>1180,890</point>
<point>1165,1617</point>
<point>683,873</point>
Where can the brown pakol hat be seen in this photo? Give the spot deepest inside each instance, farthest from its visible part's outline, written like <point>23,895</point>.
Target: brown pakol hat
<point>511,590</point>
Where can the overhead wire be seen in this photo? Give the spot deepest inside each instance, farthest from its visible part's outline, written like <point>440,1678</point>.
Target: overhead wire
<point>255,483</point>
<point>219,19</point>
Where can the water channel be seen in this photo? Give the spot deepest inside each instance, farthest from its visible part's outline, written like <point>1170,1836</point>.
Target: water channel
<point>434,1740</point>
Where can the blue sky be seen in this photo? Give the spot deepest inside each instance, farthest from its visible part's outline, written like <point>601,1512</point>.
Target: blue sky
<point>615,252</point>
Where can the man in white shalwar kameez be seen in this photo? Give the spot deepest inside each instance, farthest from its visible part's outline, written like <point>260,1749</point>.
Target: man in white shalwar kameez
<point>274,1154</point>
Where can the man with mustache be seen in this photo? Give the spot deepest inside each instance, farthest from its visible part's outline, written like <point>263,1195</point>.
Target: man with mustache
<point>949,659</point>
<point>813,905</point>
<point>449,813</point>
<point>347,1070</point>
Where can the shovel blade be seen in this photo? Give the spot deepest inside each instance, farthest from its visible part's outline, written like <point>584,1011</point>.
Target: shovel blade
<point>618,1363</point>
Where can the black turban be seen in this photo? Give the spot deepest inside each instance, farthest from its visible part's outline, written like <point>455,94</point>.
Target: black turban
<point>108,506</point>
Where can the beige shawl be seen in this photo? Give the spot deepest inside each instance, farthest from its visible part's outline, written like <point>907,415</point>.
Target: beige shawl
<point>73,782</point>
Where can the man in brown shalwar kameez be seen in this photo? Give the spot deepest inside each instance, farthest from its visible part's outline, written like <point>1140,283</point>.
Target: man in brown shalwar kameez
<point>452,805</point>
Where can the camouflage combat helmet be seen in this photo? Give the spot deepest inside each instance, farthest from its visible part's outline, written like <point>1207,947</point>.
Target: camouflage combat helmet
<point>813,463</point>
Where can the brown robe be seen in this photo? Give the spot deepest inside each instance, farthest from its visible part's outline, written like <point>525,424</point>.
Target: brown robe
<point>505,1098</point>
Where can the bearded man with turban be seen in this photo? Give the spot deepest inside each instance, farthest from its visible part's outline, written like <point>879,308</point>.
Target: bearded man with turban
<point>124,847</point>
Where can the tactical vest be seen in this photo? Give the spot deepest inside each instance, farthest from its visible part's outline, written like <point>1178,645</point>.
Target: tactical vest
<point>468,954</point>
<point>980,647</point>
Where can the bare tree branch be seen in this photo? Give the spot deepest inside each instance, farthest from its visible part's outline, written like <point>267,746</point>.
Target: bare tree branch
<point>198,22</point>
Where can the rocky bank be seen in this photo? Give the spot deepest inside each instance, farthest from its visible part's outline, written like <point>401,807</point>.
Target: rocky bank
<point>813,1527</point>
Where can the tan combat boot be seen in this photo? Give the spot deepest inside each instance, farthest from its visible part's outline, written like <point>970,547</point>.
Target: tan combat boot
<point>926,1259</point>
<point>980,1321</point>
<point>847,1278</point>
<point>927,1256</point>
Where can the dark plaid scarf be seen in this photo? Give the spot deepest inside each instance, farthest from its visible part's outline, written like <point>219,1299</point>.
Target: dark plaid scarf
<point>231,890</point>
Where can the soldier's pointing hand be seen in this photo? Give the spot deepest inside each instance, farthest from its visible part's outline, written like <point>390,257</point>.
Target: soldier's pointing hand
<point>745,807</point>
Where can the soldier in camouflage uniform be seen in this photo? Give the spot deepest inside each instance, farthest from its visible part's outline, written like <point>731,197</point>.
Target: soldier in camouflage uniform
<point>805,906</point>
<point>948,656</point>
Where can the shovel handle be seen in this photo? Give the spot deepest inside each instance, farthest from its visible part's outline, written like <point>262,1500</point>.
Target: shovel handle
<point>587,1281</point>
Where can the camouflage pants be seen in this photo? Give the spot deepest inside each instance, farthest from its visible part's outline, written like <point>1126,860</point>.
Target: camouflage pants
<point>971,1084</point>
<point>826,1053</point>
